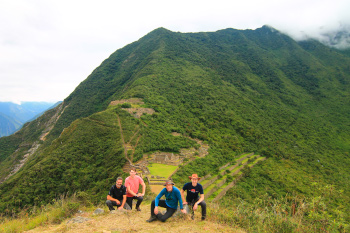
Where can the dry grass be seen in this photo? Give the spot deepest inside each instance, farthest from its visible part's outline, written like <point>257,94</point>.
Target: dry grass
<point>156,188</point>
<point>133,221</point>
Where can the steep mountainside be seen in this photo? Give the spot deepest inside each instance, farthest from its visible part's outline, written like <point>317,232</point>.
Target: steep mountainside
<point>237,90</point>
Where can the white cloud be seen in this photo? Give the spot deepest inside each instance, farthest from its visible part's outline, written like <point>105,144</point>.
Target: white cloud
<point>48,47</point>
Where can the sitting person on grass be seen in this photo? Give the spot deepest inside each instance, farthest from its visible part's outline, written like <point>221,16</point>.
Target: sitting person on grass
<point>172,198</point>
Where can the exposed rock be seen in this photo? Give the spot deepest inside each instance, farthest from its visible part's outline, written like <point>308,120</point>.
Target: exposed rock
<point>34,147</point>
<point>138,112</point>
<point>131,101</point>
<point>98,211</point>
<point>78,219</point>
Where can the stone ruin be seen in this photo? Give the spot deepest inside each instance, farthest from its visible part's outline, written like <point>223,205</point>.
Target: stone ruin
<point>136,112</point>
<point>167,158</point>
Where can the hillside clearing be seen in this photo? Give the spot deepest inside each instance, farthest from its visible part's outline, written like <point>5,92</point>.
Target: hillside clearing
<point>162,170</point>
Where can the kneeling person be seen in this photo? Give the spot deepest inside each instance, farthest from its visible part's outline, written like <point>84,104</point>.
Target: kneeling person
<point>194,188</point>
<point>117,196</point>
<point>132,184</point>
<point>172,197</point>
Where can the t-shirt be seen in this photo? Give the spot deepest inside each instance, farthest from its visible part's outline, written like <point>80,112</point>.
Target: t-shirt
<point>117,193</point>
<point>134,184</point>
<point>171,198</point>
<point>192,191</point>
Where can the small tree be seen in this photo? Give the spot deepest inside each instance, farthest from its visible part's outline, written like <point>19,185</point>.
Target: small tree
<point>126,105</point>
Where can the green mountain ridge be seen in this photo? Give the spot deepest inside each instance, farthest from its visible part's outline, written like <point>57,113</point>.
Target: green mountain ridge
<point>238,90</point>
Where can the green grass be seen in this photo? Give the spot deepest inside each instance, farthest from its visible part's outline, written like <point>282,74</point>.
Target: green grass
<point>204,182</point>
<point>242,156</point>
<point>213,185</point>
<point>244,161</point>
<point>51,213</point>
<point>266,214</point>
<point>224,176</point>
<point>162,170</point>
<point>256,161</point>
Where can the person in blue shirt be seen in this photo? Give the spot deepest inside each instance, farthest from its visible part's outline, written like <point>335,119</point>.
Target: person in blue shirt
<point>172,198</point>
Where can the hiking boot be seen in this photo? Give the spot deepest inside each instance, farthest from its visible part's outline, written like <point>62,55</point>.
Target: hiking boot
<point>203,218</point>
<point>138,209</point>
<point>151,219</point>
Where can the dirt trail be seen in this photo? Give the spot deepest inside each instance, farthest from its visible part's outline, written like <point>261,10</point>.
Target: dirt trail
<point>123,141</point>
<point>133,221</point>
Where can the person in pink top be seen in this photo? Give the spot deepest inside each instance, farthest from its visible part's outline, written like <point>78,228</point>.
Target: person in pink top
<point>132,184</point>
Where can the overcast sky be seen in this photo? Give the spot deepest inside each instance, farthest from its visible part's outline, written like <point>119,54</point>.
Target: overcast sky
<point>48,47</point>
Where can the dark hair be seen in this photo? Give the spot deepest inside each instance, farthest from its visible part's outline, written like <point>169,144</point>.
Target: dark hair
<point>119,178</point>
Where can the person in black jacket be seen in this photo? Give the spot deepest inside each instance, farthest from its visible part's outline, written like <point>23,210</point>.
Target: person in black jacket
<point>195,195</point>
<point>117,196</point>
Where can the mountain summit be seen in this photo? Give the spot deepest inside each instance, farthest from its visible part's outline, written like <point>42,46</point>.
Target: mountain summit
<point>236,90</point>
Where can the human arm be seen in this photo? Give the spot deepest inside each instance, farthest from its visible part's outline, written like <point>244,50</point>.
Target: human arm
<point>179,197</point>
<point>128,189</point>
<point>199,201</point>
<point>183,197</point>
<point>113,199</point>
<point>143,188</point>
<point>123,203</point>
<point>156,201</point>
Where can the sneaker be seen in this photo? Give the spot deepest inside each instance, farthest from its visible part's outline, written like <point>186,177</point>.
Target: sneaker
<point>138,209</point>
<point>112,212</point>
<point>151,219</point>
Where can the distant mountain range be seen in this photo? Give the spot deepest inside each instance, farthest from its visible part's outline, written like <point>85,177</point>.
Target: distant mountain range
<point>13,116</point>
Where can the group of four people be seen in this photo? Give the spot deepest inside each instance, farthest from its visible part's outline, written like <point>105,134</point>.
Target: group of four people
<point>122,197</point>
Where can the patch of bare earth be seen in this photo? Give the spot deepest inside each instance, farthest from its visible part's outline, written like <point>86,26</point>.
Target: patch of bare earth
<point>138,112</point>
<point>135,111</point>
<point>131,101</point>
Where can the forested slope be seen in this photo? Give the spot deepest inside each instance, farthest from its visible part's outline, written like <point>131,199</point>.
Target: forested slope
<point>237,90</point>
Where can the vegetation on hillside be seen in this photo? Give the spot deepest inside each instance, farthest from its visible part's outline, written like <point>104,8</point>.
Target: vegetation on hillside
<point>238,91</point>
<point>291,213</point>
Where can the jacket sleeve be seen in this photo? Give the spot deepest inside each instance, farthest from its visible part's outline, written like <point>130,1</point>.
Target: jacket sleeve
<point>110,193</point>
<point>156,201</point>
<point>178,194</point>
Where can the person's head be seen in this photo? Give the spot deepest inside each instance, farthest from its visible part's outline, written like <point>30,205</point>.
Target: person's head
<point>119,182</point>
<point>194,178</point>
<point>169,185</point>
<point>132,172</point>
